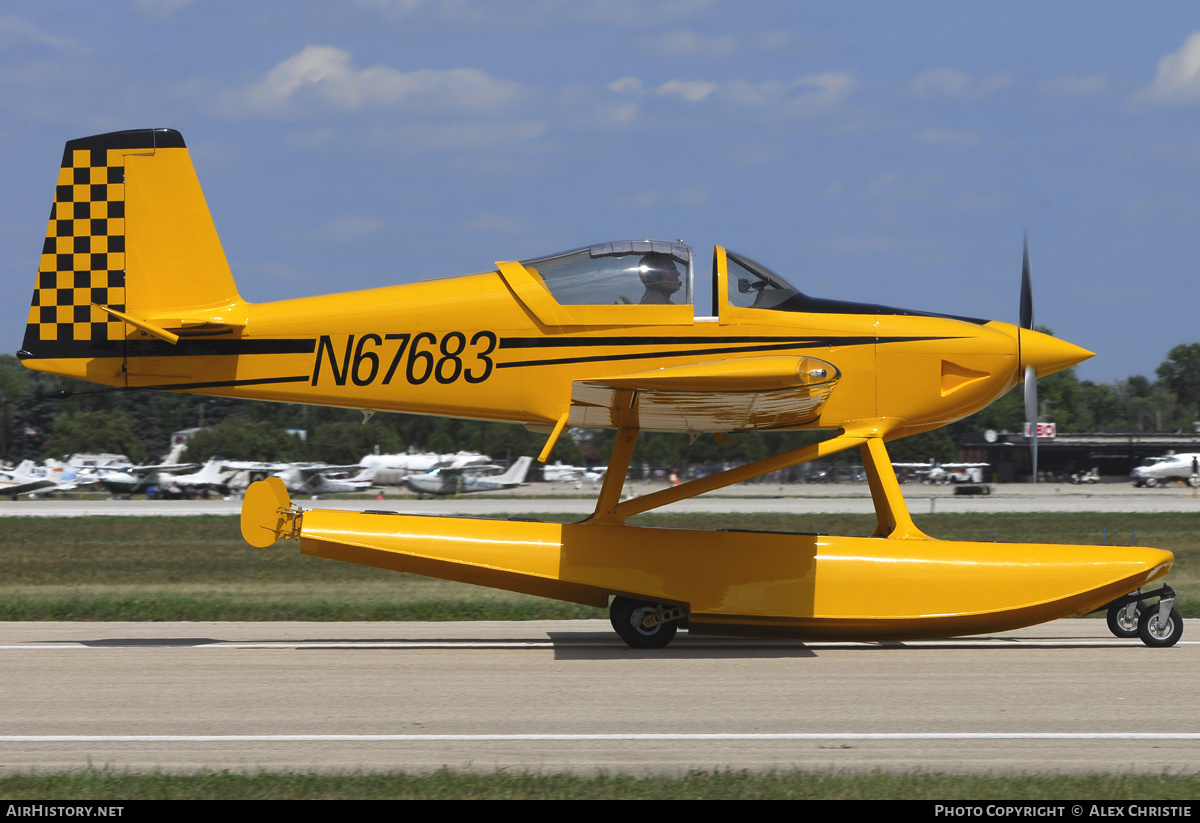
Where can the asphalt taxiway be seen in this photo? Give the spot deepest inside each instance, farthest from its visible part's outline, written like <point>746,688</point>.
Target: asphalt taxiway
<point>568,696</point>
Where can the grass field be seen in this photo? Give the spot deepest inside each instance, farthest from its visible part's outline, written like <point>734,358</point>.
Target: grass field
<point>198,568</point>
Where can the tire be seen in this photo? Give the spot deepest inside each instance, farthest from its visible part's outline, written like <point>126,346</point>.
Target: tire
<point>626,615</point>
<point>1151,482</point>
<point>1123,623</point>
<point>1154,633</point>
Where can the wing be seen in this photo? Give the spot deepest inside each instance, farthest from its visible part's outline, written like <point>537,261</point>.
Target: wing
<point>740,394</point>
<point>14,487</point>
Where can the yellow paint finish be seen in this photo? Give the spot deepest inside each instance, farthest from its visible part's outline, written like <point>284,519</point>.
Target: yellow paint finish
<point>824,585</point>
<point>267,513</point>
<point>173,255</point>
<point>106,370</point>
<point>760,373</point>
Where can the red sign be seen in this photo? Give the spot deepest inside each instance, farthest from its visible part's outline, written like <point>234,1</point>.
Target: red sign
<point>1043,429</point>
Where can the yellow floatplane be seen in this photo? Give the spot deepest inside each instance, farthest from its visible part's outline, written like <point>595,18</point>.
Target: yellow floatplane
<point>134,292</point>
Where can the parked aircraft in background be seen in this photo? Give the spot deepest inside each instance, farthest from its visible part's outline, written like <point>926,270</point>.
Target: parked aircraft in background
<point>560,473</point>
<point>606,336</point>
<point>391,469</point>
<point>321,479</point>
<point>131,479</point>
<point>213,476</point>
<point>26,479</point>
<point>447,480</point>
<point>941,474</point>
<point>1155,471</point>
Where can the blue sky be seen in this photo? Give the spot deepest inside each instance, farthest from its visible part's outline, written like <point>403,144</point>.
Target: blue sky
<point>886,151</point>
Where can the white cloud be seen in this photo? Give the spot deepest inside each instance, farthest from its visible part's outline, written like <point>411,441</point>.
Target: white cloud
<point>14,28</point>
<point>690,90</point>
<point>626,84</point>
<point>324,77</point>
<point>803,95</point>
<point>1178,78</point>
<point>951,83</point>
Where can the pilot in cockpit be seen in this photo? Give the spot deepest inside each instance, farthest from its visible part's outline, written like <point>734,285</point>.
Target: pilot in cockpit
<point>660,277</point>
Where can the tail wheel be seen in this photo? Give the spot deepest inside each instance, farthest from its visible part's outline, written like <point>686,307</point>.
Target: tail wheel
<point>1157,632</point>
<point>1123,620</point>
<point>626,616</point>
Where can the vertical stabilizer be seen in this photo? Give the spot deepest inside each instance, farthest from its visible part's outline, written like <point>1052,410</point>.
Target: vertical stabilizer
<point>516,472</point>
<point>130,252</point>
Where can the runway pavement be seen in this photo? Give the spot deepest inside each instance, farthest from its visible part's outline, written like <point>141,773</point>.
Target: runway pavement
<point>844,498</point>
<point>568,696</point>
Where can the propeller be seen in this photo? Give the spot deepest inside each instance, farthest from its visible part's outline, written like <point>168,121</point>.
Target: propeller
<point>1030,371</point>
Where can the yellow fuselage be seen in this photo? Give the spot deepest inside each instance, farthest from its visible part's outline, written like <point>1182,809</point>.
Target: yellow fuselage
<point>469,347</point>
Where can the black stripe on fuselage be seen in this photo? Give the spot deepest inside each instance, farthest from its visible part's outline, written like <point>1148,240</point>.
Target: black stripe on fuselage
<point>568,342</point>
<point>150,347</point>
<point>794,343</point>
<point>224,384</point>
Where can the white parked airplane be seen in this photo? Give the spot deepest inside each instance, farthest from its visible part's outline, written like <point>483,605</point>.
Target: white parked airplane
<point>941,474</point>
<point>571,474</point>
<point>391,469</point>
<point>1156,471</point>
<point>319,479</point>
<point>214,475</point>
<point>27,478</point>
<point>448,480</point>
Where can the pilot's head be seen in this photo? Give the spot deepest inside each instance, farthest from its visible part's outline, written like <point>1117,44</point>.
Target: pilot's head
<point>660,277</point>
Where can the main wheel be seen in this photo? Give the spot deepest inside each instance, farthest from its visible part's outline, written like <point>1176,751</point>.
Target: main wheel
<point>626,616</point>
<point>1159,633</point>
<point>1123,620</point>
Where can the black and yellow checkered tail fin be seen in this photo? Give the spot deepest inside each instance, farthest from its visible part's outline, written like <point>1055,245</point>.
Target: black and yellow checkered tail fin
<point>131,255</point>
